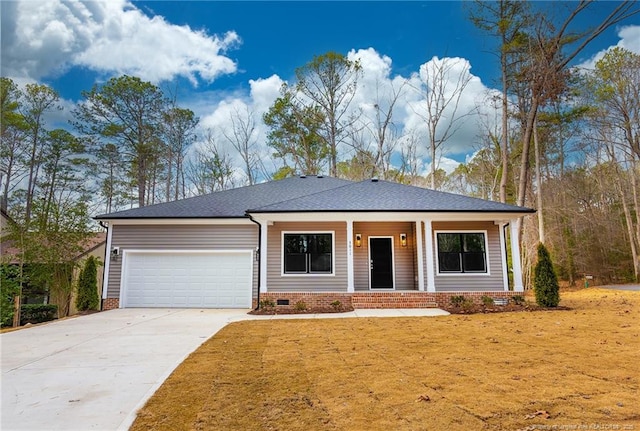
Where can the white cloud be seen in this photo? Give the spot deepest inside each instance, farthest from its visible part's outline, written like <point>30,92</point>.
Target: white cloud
<point>264,92</point>
<point>445,163</point>
<point>375,67</point>
<point>44,38</point>
<point>629,40</point>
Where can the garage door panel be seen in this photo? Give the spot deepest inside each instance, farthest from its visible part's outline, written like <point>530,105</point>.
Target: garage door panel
<point>188,280</point>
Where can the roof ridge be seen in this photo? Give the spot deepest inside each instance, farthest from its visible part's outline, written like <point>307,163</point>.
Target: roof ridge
<point>349,183</point>
<point>457,195</point>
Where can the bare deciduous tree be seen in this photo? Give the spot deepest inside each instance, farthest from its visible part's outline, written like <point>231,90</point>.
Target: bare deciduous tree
<point>242,137</point>
<point>378,129</point>
<point>209,169</point>
<point>442,84</point>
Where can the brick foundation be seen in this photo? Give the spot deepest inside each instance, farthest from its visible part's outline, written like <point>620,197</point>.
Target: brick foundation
<point>443,299</point>
<point>310,300</point>
<point>393,300</point>
<point>110,304</point>
<point>359,300</point>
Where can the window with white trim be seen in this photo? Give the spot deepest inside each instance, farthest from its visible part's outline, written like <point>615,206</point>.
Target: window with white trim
<point>308,253</point>
<point>462,252</point>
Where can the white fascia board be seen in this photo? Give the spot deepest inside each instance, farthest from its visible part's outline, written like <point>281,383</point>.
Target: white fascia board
<point>383,216</point>
<point>179,221</point>
<point>404,216</point>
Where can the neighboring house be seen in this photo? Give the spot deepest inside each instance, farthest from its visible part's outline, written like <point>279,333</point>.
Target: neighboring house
<point>94,244</point>
<point>372,243</point>
<point>5,223</point>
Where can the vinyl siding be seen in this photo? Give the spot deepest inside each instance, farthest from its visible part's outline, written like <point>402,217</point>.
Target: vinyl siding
<point>276,282</point>
<point>404,257</point>
<point>471,282</point>
<point>182,237</point>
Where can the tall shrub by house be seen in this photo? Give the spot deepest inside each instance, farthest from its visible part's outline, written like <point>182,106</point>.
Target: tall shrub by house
<point>87,298</point>
<point>545,281</point>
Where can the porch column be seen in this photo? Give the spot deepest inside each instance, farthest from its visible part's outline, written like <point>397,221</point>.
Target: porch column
<point>431,266</point>
<point>420,256</point>
<point>503,254</point>
<point>515,255</point>
<point>350,283</point>
<point>263,256</point>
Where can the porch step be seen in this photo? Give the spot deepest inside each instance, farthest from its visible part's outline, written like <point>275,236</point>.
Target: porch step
<point>393,300</point>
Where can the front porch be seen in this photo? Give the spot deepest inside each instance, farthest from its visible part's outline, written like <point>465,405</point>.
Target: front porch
<point>391,260</point>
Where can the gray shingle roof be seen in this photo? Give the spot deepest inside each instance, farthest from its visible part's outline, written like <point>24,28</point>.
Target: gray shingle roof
<point>372,195</point>
<point>234,202</point>
<point>315,194</point>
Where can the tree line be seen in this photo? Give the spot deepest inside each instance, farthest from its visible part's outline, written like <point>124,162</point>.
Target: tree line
<point>563,141</point>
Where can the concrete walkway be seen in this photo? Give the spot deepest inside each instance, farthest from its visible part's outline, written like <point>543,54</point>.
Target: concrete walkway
<point>94,372</point>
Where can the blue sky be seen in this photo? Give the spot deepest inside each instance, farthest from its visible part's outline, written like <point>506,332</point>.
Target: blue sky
<point>224,55</point>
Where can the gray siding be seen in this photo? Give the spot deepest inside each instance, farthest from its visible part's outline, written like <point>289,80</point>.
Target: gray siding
<point>404,257</point>
<point>179,237</point>
<point>276,282</point>
<point>472,282</point>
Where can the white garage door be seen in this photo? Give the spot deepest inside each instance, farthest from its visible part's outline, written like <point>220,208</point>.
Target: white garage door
<point>187,279</point>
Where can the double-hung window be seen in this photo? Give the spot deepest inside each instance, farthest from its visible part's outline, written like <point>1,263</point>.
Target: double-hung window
<point>308,253</point>
<point>460,252</point>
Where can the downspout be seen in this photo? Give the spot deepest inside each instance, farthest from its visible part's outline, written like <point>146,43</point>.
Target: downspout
<point>506,253</point>
<point>105,275</point>
<point>258,251</point>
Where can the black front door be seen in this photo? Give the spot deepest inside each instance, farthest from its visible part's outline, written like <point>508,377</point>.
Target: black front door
<point>381,263</point>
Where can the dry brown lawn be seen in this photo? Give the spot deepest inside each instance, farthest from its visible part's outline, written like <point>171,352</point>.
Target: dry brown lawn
<point>568,369</point>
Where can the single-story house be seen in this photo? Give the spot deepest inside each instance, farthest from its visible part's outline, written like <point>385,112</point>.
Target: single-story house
<point>317,239</point>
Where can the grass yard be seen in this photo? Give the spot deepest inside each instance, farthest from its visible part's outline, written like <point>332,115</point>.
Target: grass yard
<point>575,369</point>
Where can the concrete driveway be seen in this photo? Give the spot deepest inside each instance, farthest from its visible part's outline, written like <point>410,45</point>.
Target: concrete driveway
<point>631,287</point>
<point>93,372</point>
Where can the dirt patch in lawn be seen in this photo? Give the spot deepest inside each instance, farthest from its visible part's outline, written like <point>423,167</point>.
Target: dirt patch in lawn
<point>571,369</point>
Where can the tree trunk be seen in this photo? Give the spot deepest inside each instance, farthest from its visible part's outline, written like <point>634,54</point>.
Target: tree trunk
<point>141,181</point>
<point>632,242</point>
<point>504,144</point>
<point>636,197</point>
<point>334,152</point>
<point>636,205</point>
<point>33,174</point>
<point>169,172</point>
<point>538,183</point>
<point>524,159</point>
<point>16,311</point>
<point>433,166</point>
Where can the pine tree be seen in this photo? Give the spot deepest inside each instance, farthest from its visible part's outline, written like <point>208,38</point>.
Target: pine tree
<point>545,280</point>
<point>87,298</point>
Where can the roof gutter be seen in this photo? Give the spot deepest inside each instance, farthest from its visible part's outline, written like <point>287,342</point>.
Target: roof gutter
<point>258,251</point>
